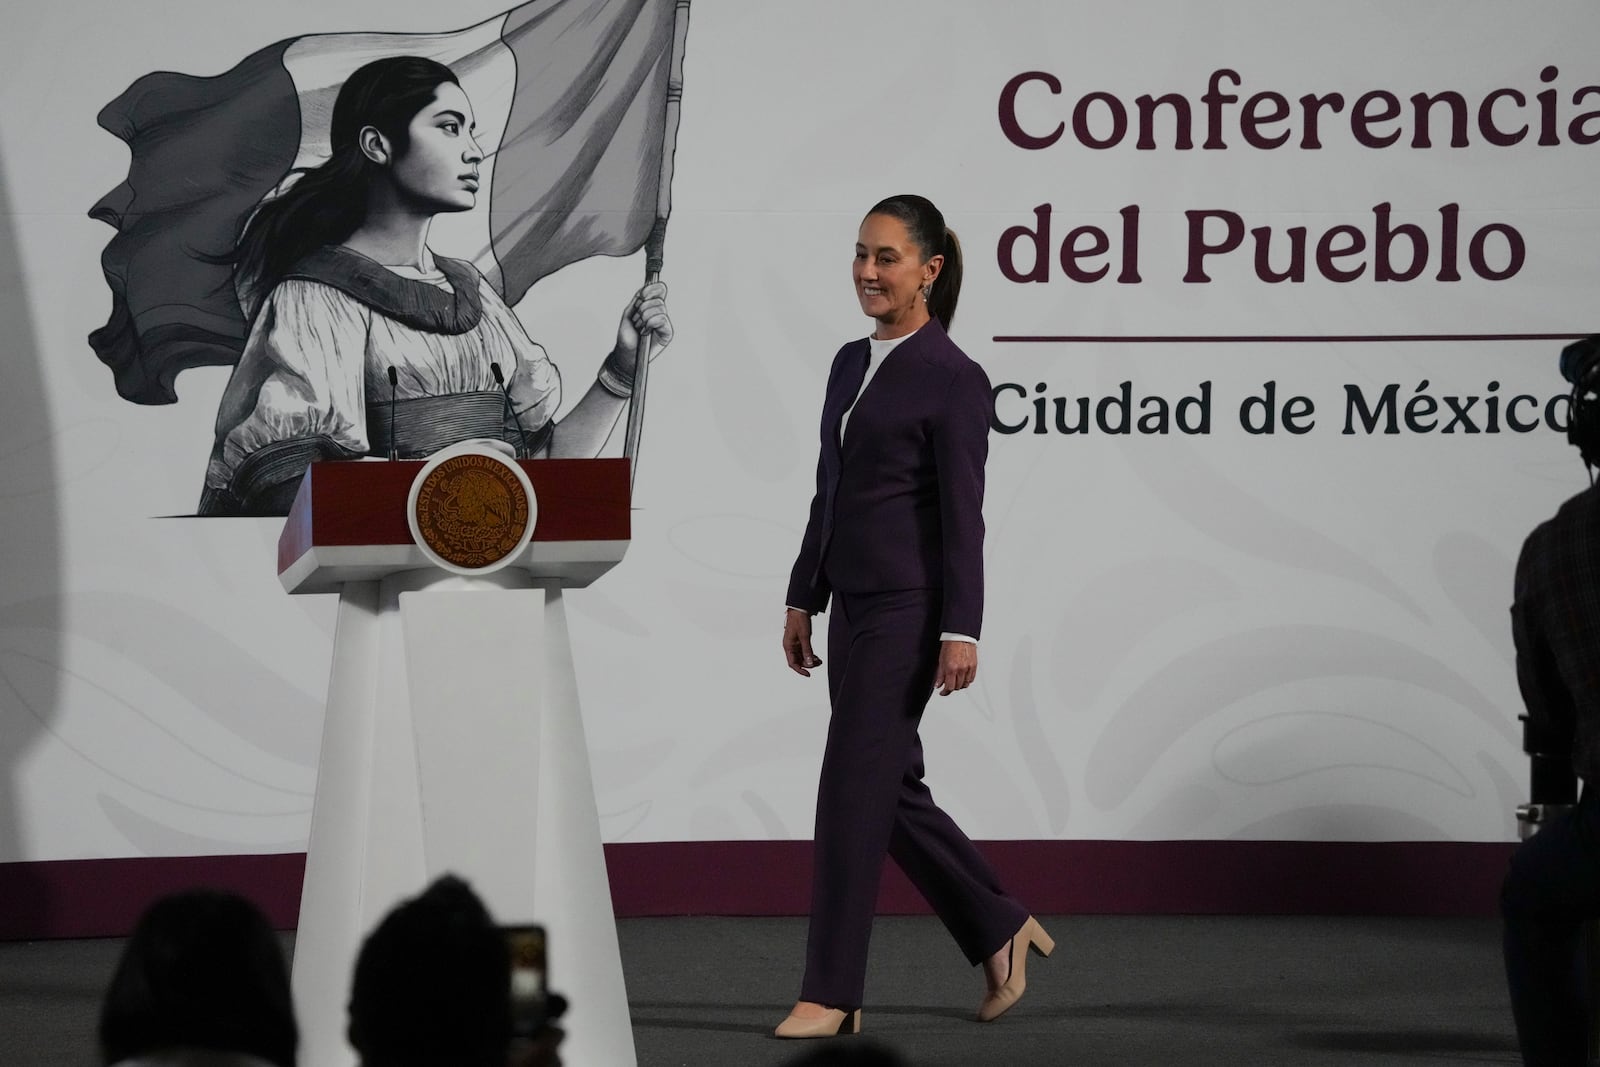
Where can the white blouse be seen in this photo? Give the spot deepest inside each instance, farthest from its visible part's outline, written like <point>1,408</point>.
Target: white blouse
<point>317,357</point>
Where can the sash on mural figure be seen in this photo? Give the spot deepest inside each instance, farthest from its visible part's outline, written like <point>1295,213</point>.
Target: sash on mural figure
<point>570,98</point>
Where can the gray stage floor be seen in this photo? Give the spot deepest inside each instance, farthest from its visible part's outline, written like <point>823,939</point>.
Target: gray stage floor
<point>1118,991</point>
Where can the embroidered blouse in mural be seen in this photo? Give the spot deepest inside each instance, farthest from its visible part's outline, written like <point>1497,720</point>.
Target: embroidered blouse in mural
<point>313,381</point>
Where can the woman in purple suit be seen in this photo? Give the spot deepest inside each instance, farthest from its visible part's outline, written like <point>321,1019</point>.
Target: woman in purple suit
<point>895,541</point>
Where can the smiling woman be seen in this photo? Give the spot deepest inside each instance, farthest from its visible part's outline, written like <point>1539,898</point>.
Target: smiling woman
<point>362,340</point>
<point>895,544</point>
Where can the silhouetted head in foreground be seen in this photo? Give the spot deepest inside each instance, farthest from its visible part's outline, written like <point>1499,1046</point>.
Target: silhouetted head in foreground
<point>203,970</point>
<point>433,984</point>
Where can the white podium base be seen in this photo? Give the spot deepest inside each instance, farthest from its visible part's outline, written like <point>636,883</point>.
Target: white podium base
<point>454,743</point>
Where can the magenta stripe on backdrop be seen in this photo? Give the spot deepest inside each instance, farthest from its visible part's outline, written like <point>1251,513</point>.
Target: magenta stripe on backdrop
<point>102,898</point>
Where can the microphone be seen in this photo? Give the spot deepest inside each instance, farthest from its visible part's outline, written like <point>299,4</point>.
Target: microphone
<point>500,380</point>
<point>394,385</point>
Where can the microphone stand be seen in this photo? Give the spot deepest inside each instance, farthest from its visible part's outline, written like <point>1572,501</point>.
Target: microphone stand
<point>500,380</point>
<point>394,385</point>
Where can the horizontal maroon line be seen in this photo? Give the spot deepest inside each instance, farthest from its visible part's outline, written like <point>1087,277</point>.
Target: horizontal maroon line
<point>1330,338</point>
<point>103,898</point>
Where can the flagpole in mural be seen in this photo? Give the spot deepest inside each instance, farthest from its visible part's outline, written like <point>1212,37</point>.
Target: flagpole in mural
<point>656,243</point>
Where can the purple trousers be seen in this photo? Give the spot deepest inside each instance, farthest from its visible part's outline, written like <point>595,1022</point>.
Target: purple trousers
<point>883,651</point>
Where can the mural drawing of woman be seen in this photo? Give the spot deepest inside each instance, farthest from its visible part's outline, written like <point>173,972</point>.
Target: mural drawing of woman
<point>362,340</point>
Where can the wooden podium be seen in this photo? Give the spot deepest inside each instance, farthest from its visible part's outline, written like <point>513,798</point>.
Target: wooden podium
<point>453,740</point>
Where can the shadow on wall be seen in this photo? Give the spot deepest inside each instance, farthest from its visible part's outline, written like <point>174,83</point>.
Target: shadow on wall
<point>30,578</point>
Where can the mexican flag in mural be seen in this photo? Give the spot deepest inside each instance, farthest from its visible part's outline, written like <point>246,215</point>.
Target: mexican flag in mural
<point>571,102</point>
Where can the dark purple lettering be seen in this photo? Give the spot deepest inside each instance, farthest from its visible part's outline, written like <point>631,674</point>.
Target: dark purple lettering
<point>1251,120</point>
<point>1098,245</point>
<point>1213,99</point>
<point>1296,271</point>
<point>1363,118</point>
<point>1199,249</point>
<point>1576,132</point>
<point>1486,124</point>
<point>1548,135</point>
<point>1130,246</point>
<point>1450,222</point>
<point>1114,108</point>
<point>1181,120</point>
<point>1327,252</point>
<point>1382,265</point>
<point>1008,111</point>
<point>1006,250</point>
<point>1516,252</point>
<point>1312,104</point>
<point>1422,109</point>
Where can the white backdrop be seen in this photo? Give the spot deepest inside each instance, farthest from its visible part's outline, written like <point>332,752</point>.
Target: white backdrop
<point>1219,635</point>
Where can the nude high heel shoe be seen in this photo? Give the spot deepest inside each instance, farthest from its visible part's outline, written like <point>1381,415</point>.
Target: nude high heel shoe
<point>836,1022</point>
<point>998,1001</point>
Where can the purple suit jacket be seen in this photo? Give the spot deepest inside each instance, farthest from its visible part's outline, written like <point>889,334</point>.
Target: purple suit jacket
<point>900,504</point>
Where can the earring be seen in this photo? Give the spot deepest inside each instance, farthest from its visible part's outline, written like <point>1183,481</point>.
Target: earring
<point>927,291</point>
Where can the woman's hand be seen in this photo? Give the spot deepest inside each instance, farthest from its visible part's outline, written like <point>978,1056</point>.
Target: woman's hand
<point>646,313</point>
<point>958,666</point>
<point>797,642</point>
